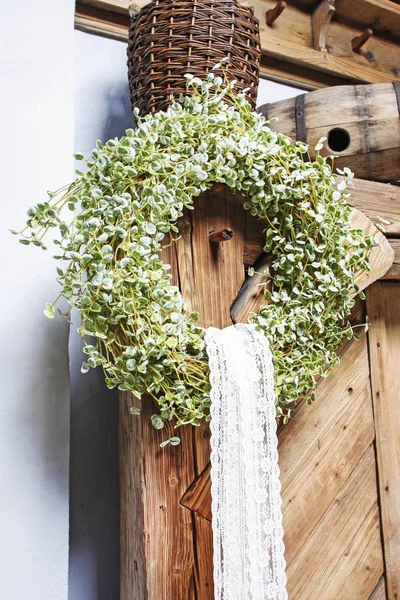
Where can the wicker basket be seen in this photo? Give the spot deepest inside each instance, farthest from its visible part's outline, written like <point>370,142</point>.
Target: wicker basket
<point>169,38</point>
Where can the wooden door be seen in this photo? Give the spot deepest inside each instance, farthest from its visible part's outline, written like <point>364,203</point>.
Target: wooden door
<point>339,458</point>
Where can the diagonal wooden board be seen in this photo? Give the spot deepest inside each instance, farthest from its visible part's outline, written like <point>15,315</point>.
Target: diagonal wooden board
<point>251,296</point>
<point>383,304</point>
<point>330,509</point>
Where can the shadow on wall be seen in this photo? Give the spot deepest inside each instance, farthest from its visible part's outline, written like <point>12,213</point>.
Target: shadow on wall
<point>119,116</point>
<point>94,486</point>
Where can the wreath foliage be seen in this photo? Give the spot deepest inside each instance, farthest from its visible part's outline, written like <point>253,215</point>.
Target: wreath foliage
<point>126,206</point>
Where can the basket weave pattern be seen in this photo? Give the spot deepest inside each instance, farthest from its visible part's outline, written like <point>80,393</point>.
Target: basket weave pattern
<point>169,38</point>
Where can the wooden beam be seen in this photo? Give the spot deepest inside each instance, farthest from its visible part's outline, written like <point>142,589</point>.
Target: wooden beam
<point>300,76</point>
<point>166,549</point>
<point>383,307</point>
<point>290,41</point>
<point>382,15</point>
<point>106,23</point>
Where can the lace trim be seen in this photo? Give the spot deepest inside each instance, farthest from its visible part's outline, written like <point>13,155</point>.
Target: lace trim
<point>246,504</point>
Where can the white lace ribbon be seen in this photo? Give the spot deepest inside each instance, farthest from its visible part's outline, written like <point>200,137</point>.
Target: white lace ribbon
<point>246,504</point>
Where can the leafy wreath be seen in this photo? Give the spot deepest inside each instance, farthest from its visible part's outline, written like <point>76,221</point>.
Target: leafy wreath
<point>128,202</point>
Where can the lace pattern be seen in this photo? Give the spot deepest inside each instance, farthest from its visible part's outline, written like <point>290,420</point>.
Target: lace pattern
<point>246,504</point>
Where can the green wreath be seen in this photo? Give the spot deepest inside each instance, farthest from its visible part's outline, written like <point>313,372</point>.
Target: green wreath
<point>128,202</point>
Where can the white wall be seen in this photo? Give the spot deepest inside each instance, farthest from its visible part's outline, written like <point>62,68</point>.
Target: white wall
<point>269,91</point>
<point>102,111</point>
<point>36,146</point>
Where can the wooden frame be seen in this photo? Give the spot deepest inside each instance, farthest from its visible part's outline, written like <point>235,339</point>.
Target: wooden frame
<point>310,44</point>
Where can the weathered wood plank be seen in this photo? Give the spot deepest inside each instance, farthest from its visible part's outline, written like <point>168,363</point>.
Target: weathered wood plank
<point>157,548</point>
<point>289,40</point>
<point>132,527</point>
<point>300,76</point>
<point>204,552</point>
<point>382,15</point>
<point>321,446</point>
<point>251,296</point>
<point>342,558</point>
<point>210,274</point>
<point>375,200</point>
<point>168,555</point>
<point>383,305</point>
<point>394,271</point>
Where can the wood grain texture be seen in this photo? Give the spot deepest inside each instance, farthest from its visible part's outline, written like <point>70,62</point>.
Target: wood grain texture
<point>157,546</point>
<point>166,549</point>
<point>381,257</point>
<point>289,40</point>
<point>383,305</point>
<point>198,495</point>
<point>382,15</point>
<point>369,114</point>
<point>251,296</point>
<point>210,274</point>
<point>342,558</point>
<point>376,199</point>
<point>322,444</point>
<point>300,76</point>
<point>320,20</point>
<point>106,23</point>
<point>132,527</point>
<point>203,559</point>
<point>394,271</point>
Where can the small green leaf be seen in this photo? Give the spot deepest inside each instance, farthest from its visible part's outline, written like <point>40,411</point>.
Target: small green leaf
<point>157,422</point>
<point>49,310</point>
